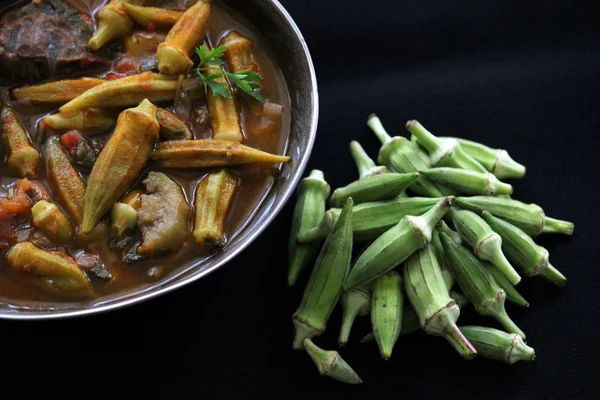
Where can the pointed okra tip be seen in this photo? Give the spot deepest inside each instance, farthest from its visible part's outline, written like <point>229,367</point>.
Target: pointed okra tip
<point>331,364</point>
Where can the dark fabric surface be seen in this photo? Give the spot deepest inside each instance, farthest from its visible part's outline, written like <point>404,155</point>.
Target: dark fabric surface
<point>522,75</point>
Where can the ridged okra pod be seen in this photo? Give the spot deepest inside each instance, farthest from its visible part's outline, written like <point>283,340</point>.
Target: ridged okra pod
<point>213,200</point>
<point>125,92</point>
<point>523,251</point>
<point>331,364</point>
<point>50,271</point>
<point>468,182</point>
<point>443,152</point>
<point>365,164</point>
<point>57,92</point>
<point>529,217</point>
<point>443,227</point>
<point>52,222</point>
<point>400,155</point>
<point>386,311</point>
<point>187,33</point>
<point>239,52</point>
<point>113,23</point>
<point>191,154</point>
<point>325,284</point>
<point>68,185</point>
<point>497,161</point>
<point>498,345</point>
<point>89,122</point>
<point>512,295</point>
<point>308,212</point>
<point>163,216</point>
<point>355,302</point>
<point>370,220</point>
<point>124,214</point>
<point>447,274</point>
<point>430,298</point>
<point>171,127</point>
<point>486,244</point>
<point>152,16</point>
<point>396,245</point>
<point>478,284</point>
<point>373,188</point>
<point>22,157</point>
<point>120,162</point>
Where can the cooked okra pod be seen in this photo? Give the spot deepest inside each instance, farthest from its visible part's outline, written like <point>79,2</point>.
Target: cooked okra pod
<point>325,284</point>
<point>386,311</point>
<point>187,33</point>
<point>486,244</point>
<point>120,162</point>
<point>498,345</point>
<point>512,294</point>
<point>163,215</point>
<point>239,52</point>
<point>396,245</point>
<point>528,217</point>
<point>50,271</point>
<point>22,157</point>
<point>365,164</point>
<point>52,222</point>
<point>523,251</point>
<point>444,152</point>
<point>152,16</point>
<point>125,92</point>
<point>214,196</point>
<point>308,212</point>
<point>373,188</point>
<point>188,154</point>
<point>124,215</point>
<point>400,155</point>
<point>331,364</point>
<point>370,220</point>
<point>57,92</point>
<point>355,302</point>
<point>430,298</point>
<point>89,122</point>
<point>468,182</point>
<point>478,284</point>
<point>171,127</point>
<point>113,23</point>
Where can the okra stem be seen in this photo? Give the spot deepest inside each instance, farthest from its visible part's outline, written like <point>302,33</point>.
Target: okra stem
<point>377,127</point>
<point>365,164</point>
<point>554,275</point>
<point>553,225</point>
<point>460,343</point>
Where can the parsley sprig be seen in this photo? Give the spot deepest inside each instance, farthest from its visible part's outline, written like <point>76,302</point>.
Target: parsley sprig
<point>247,80</point>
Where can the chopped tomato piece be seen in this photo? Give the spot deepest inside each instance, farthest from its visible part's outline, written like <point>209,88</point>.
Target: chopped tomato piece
<point>125,65</point>
<point>151,27</point>
<point>111,76</point>
<point>69,141</point>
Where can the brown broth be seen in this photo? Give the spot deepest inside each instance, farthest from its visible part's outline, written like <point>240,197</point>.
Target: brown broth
<point>254,182</point>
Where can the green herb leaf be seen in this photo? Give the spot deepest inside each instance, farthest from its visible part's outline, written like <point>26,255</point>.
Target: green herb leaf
<point>211,57</point>
<point>249,82</point>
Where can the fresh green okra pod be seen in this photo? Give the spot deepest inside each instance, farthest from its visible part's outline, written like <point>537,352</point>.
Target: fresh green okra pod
<point>365,164</point>
<point>478,284</point>
<point>468,182</point>
<point>325,284</point>
<point>447,274</point>
<point>370,220</point>
<point>400,155</point>
<point>523,251</point>
<point>386,311</point>
<point>309,211</point>
<point>373,188</point>
<point>512,294</point>
<point>429,296</point>
<point>355,302</point>
<point>331,364</point>
<point>443,227</point>
<point>486,244</point>
<point>443,152</point>
<point>498,345</point>
<point>528,217</point>
<point>396,245</point>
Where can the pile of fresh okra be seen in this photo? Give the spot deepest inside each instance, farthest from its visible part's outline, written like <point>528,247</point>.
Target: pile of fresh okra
<point>463,228</point>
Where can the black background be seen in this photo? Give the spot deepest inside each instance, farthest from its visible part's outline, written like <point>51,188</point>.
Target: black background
<point>523,75</point>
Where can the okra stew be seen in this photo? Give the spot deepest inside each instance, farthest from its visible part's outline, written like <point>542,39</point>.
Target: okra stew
<point>138,137</point>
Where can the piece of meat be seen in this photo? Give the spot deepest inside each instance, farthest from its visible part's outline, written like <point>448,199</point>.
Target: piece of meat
<point>44,40</point>
<point>163,216</point>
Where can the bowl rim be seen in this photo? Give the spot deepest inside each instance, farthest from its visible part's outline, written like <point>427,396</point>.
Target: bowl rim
<point>250,238</point>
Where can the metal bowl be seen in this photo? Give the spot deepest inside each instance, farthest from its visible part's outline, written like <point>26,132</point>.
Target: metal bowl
<point>289,48</point>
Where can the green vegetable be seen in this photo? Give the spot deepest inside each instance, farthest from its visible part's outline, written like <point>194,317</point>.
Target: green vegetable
<point>468,182</point>
<point>497,345</point>
<point>331,364</point>
<point>355,302</point>
<point>386,311</point>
